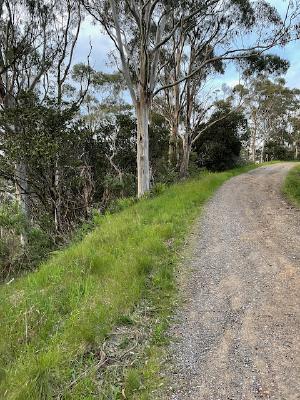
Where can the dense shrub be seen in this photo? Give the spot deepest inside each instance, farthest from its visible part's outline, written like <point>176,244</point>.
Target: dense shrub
<point>277,151</point>
<point>22,247</point>
<point>218,148</point>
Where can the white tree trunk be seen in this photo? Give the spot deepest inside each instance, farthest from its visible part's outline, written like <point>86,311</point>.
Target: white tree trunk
<point>253,145</point>
<point>22,194</point>
<point>143,166</point>
<point>173,155</point>
<point>57,201</point>
<point>186,151</point>
<point>262,155</point>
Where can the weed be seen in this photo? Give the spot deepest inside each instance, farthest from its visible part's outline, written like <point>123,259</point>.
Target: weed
<point>52,317</point>
<point>291,187</point>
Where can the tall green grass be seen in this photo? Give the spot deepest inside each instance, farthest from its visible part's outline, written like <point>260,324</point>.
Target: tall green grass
<point>291,186</point>
<point>51,318</point>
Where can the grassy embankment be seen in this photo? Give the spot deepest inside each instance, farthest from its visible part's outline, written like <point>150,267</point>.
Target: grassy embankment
<point>291,187</point>
<point>55,320</point>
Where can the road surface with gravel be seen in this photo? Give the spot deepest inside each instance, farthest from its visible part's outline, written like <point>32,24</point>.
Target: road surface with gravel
<point>237,334</point>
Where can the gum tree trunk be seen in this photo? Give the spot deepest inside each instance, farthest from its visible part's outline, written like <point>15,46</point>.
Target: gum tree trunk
<point>253,147</point>
<point>262,155</point>
<point>143,166</point>
<point>173,156</point>
<point>253,139</point>
<point>173,145</point>
<point>186,151</point>
<point>21,184</point>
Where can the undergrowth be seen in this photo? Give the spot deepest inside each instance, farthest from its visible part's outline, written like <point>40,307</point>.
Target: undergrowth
<point>291,186</point>
<point>60,325</point>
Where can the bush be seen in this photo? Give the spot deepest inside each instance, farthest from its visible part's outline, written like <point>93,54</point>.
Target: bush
<point>75,299</point>
<point>158,189</point>
<point>277,151</point>
<point>219,147</point>
<point>17,255</point>
<point>121,204</point>
<point>291,186</point>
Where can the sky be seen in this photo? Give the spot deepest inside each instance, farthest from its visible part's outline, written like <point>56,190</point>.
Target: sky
<point>102,46</point>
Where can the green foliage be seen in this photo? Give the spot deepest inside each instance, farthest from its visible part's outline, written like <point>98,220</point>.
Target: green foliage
<point>218,148</point>
<point>158,188</point>
<point>264,64</point>
<point>54,316</point>
<point>16,257</point>
<point>121,204</point>
<point>158,141</point>
<point>275,150</point>
<point>132,382</point>
<point>291,186</point>
<point>11,218</point>
<point>50,143</point>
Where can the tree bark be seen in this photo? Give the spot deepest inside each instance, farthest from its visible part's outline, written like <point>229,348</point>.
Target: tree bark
<point>173,145</point>
<point>186,151</point>
<point>57,200</point>
<point>253,139</point>
<point>21,184</point>
<point>262,155</point>
<point>175,93</point>
<point>143,166</point>
<point>253,146</point>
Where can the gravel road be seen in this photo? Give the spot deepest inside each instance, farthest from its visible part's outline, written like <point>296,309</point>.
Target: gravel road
<point>237,334</point>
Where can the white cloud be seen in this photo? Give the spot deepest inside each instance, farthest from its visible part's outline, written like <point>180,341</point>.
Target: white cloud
<point>102,45</point>
<point>91,34</point>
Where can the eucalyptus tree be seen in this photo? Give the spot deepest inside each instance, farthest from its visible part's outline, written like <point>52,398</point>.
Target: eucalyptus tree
<point>142,29</point>
<point>25,55</point>
<point>188,105</point>
<point>219,146</point>
<point>280,104</point>
<point>295,122</point>
<point>37,45</point>
<point>271,108</point>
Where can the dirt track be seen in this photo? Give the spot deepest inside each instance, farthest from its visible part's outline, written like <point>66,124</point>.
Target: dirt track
<point>237,336</point>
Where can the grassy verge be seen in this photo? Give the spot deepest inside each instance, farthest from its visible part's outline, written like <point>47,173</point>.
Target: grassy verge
<point>55,321</point>
<point>291,187</point>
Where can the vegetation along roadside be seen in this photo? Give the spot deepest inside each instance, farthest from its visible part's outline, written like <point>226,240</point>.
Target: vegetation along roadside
<point>291,187</point>
<point>102,304</point>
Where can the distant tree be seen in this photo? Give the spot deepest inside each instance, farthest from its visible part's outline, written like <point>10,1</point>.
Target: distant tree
<point>275,150</point>
<point>141,30</point>
<point>295,122</point>
<point>270,107</point>
<point>218,148</point>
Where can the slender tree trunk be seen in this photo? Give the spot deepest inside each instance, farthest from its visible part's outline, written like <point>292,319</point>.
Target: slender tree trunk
<point>253,146</point>
<point>253,137</point>
<point>143,166</point>
<point>22,194</point>
<point>88,188</point>
<point>253,142</point>
<point>173,139</point>
<point>186,151</point>
<point>173,145</point>
<point>57,201</point>
<point>262,155</point>
<point>20,173</point>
